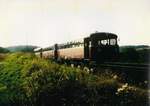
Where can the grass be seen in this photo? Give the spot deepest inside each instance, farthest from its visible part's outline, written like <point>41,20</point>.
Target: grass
<point>26,80</point>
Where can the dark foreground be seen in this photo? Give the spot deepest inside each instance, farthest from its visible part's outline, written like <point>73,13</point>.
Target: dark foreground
<point>26,80</point>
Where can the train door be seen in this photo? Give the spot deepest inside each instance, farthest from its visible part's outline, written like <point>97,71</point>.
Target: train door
<point>97,50</point>
<point>86,48</point>
<point>56,51</point>
<point>41,53</point>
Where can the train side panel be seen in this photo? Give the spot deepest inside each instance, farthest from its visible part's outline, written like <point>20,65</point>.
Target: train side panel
<point>71,53</point>
<point>37,54</point>
<point>48,54</point>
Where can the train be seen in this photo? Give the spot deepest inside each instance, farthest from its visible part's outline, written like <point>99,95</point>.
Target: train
<point>99,47</point>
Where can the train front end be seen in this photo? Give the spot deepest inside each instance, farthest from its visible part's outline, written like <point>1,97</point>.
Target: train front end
<point>101,47</point>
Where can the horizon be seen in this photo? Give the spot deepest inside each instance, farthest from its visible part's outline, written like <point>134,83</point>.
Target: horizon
<point>46,22</point>
<point>53,45</point>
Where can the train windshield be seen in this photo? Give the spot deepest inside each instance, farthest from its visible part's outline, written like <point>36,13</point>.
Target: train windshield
<point>113,42</point>
<point>104,42</point>
<point>107,42</point>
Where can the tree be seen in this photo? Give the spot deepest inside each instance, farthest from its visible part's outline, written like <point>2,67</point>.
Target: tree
<point>3,50</point>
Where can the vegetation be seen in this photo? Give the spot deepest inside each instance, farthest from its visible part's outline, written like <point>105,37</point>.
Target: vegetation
<point>3,50</point>
<point>23,48</point>
<point>136,54</point>
<point>26,80</point>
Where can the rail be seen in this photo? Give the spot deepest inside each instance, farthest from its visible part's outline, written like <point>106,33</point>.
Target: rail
<point>129,66</point>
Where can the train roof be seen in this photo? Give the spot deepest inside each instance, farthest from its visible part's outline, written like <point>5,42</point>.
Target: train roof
<point>48,48</point>
<point>37,49</point>
<point>103,35</point>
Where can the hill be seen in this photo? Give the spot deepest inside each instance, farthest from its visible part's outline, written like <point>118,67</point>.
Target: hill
<point>139,53</point>
<point>3,50</point>
<point>21,48</point>
<point>137,47</point>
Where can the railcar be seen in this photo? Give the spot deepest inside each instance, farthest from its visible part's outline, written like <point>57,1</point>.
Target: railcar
<point>98,47</point>
<point>38,52</point>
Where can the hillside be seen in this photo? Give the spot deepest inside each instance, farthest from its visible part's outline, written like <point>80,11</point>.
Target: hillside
<point>22,48</point>
<point>136,54</point>
<point>137,47</point>
<point>3,50</point>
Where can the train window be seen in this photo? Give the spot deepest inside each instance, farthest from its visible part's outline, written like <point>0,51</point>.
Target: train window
<point>112,41</point>
<point>104,42</point>
<point>99,42</point>
<point>80,45</point>
<point>90,44</point>
<point>85,44</point>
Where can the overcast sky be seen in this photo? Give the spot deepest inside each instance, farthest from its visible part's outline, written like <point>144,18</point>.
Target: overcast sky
<point>45,22</point>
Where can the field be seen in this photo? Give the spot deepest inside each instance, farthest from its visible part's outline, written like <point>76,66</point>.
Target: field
<point>26,80</point>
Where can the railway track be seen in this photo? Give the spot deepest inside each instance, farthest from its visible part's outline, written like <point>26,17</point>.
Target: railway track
<point>126,66</point>
<point>132,72</point>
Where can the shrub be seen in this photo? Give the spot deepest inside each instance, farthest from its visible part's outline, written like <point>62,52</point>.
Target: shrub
<point>26,80</point>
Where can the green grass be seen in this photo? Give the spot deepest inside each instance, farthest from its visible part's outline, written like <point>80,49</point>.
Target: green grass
<point>27,80</point>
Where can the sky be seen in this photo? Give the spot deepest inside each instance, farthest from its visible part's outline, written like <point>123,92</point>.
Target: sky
<point>45,22</point>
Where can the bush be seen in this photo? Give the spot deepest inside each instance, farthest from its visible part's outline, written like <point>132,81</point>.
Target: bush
<point>3,50</point>
<point>129,55</point>
<point>26,80</point>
